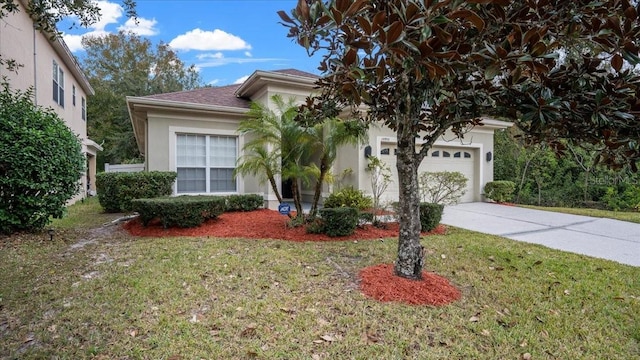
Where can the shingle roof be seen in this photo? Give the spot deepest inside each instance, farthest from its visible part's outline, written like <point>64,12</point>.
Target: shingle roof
<point>221,95</point>
<point>296,72</point>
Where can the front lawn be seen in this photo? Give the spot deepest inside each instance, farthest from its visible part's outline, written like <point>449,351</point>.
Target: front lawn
<point>103,294</point>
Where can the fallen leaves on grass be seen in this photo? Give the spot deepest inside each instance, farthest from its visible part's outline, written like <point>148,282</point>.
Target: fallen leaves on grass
<point>261,224</point>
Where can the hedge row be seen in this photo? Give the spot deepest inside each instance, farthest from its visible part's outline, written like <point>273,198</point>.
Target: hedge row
<point>117,189</point>
<point>191,211</point>
<point>342,221</point>
<point>179,211</point>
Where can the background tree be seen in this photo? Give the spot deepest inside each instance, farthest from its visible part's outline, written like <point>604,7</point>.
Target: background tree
<point>572,180</point>
<point>120,65</point>
<point>425,67</point>
<point>46,14</point>
<point>41,162</point>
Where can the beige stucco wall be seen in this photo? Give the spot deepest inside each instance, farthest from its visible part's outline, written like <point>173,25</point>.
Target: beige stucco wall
<point>479,141</point>
<point>36,53</point>
<point>32,49</point>
<point>162,127</point>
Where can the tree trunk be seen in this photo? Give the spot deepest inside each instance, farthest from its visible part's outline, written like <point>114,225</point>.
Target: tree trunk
<point>586,185</point>
<point>410,251</point>
<point>318,189</point>
<point>295,189</point>
<point>274,187</point>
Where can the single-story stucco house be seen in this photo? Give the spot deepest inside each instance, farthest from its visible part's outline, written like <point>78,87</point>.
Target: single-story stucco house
<point>195,133</point>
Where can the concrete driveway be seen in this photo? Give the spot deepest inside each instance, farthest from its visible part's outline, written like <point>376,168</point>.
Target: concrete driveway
<point>602,238</point>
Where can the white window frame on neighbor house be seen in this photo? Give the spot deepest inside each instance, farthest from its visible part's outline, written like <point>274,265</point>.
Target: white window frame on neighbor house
<point>207,163</point>
<point>84,108</point>
<point>58,84</point>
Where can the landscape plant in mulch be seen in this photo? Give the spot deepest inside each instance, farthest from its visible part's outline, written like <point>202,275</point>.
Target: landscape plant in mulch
<point>378,282</point>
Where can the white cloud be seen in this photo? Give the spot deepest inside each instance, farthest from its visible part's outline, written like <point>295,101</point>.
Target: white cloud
<point>74,42</point>
<point>213,82</point>
<point>241,80</point>
<point>143,27</point>
<point>247,54</point>
<point>198,39</point>
<point>217,55</point>
<point>109,14</point>
<point>215,62</point>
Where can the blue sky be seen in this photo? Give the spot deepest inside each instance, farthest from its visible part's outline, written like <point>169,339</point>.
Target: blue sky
<point>227,40</point>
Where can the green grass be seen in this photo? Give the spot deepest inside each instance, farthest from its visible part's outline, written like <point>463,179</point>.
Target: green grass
<point>206,298</point>
<point>83,214</point>
<point>616,215</point>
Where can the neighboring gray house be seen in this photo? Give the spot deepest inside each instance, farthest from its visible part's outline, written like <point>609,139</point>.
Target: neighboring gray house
<point>195,133</point>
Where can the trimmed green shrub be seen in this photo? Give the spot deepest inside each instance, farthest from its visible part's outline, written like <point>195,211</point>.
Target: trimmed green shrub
<point>179,211</point>
<point>348,197</point>
<point>341,221</point>
<point>116,190</point>
<point>499,191</point>
<point>246,202</point>
<point>315,226</point>
<point>41,163</point>
<point>430,215</point>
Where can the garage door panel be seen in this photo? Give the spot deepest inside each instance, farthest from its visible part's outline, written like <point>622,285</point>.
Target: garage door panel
<point>451,159</point>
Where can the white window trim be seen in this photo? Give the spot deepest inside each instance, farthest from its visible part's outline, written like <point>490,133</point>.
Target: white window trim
<point>83,109</point>
<point>59,78</point>
<point>173,154</point>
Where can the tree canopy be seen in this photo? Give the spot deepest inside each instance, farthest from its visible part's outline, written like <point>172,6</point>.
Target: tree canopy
<point>423,67</point>
<point>120,65</point>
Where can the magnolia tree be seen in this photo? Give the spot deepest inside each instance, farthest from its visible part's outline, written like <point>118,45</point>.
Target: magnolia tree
<point>423,67</point>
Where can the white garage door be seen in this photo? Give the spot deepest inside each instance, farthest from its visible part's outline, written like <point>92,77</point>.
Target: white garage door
<point>438,159</point>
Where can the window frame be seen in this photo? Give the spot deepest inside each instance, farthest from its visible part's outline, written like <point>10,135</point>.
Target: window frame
<point>208,166</point>
<point>58,84</point>
<point>83,108</point>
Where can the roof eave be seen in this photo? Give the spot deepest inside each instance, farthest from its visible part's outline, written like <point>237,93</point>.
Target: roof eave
<point>259,78</point>
<point>144,103</point>
<point>495,124</point>
<point>182,105</point>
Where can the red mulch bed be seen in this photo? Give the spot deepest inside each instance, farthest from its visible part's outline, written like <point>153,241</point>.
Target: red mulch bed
<point>381,283</point>
<point>261,224</point>
<point>378,282</point>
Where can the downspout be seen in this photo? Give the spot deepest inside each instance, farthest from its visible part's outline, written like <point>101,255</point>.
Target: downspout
<point>35,66</point>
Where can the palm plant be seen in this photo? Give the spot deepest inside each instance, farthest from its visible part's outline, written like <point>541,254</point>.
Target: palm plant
<point>278,146</point>
<point>326,138</point>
